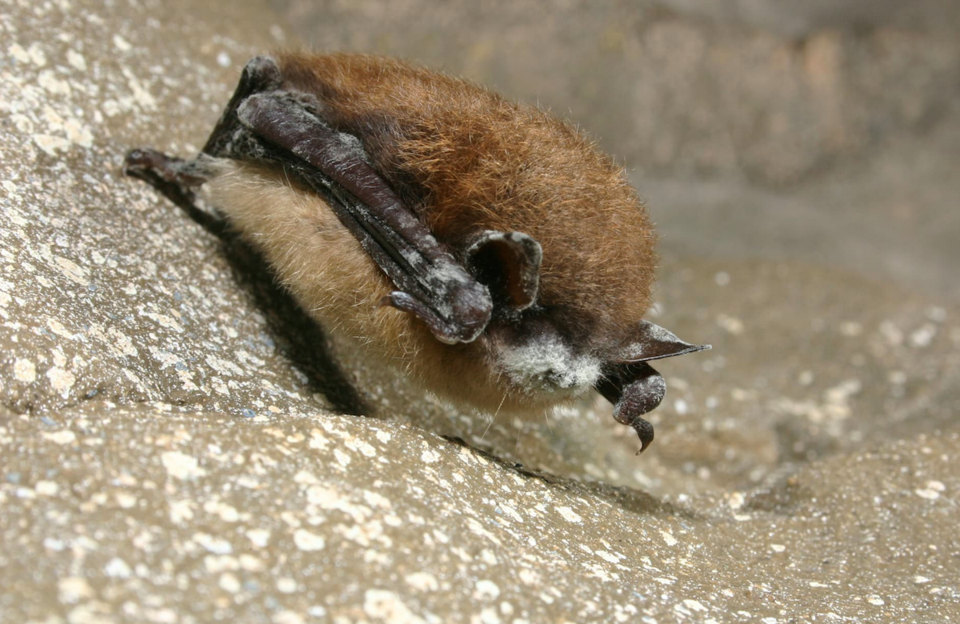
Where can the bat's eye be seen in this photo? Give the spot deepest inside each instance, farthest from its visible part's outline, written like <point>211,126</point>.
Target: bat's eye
<point>508,263</point>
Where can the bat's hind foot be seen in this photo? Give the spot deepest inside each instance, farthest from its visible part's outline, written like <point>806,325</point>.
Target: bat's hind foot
<point>156,168</point>
<point>175,178</point>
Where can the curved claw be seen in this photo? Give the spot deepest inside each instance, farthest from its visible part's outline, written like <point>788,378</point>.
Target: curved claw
<point>645,431</point>
<point>634,390</point>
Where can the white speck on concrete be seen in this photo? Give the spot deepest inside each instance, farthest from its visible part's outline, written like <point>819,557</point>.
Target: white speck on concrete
<point>897,378</point>
<point>366,449</point>
<point>305,478</point>
<point>669,538</point>
<point>694,605</point>
<point>216,545</point>
<point>230,583</point>
<point>61,380</point>
<point>569,515</point>
<point>76,60</point>
<point>47,488</point>
<point>227,513</point>
<point>121,44</point>
<point>181,511</point>
<point>49,81</point>
<point>735,500</point>
<point>318,440</point>
<point>259,537</point>
<point>251,564</point>
<point>72,270</point>
<point>422,581</point>
<point>486,590</point>
<point>215,564</point>
<point>54,544</point>
<point>286,585</point>
<point>181,466</point>
<point>73,589</point>
<point>307,541</point>
<point>923,336</point>
<point>24,370</point>
<point>34,54</point>
<point>429,457</point>
<point>730,324</point>
<point>57,327</point>
<point>51,144</point>
<point>117,568</point>
<point>387,606</point>
<point>927,493</point>
<point>288,617</point>
<point>64,436</point>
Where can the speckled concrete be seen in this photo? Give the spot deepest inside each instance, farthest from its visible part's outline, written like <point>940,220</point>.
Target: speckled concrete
<point>156,514</point>
<point>169,449</point>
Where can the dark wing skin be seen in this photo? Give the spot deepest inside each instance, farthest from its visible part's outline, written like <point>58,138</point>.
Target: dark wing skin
<point>265,124</point>
<point>632,385</point>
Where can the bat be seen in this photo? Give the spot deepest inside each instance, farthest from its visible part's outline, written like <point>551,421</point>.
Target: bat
<point>485,248</point>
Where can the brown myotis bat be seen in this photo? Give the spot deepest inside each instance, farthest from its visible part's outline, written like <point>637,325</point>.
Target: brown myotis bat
<point>485,248</point>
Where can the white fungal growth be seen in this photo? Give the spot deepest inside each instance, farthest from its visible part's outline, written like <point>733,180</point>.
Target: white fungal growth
<point>547,364</point>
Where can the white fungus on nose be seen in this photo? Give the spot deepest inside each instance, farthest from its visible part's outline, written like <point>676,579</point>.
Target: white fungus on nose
<point>546,363</point>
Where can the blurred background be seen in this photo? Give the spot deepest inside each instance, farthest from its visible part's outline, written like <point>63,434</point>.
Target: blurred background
<point>823,131</point>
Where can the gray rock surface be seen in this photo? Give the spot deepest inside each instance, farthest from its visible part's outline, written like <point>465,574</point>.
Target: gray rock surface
<point>169,443</point>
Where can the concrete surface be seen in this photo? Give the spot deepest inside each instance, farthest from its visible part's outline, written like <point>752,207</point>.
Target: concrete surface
<point>175,443</point>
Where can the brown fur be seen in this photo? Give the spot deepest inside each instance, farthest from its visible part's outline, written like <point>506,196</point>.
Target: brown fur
<point>466,160</point>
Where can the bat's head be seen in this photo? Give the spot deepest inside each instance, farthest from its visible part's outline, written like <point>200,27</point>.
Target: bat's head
<point>567,315</point>
<point>552,228</point>
<point>541,348</point>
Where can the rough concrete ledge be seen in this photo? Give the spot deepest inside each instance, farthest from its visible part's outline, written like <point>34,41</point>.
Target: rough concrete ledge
<point>168,454</point>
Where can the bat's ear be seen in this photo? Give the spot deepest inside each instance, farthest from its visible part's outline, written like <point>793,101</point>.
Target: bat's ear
<point>508,263</point>
<point>652,342</point>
